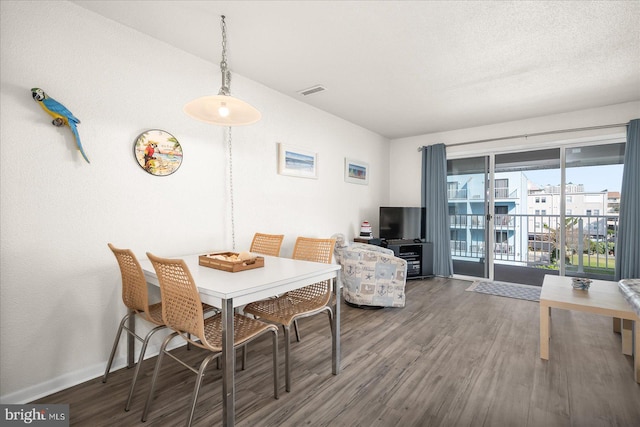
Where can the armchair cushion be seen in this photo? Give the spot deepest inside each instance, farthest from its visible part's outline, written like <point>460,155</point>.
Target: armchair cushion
<point>372,275</point>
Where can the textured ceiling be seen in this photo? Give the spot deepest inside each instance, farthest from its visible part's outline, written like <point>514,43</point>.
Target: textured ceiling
<point>404,68</point>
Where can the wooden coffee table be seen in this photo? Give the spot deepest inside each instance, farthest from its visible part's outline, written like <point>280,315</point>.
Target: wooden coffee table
<point>603,297</point>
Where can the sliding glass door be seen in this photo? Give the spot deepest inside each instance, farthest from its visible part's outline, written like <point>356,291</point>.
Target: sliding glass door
<point>515,217</point>
<point>467,181</point>
<point>594,180</point>
<point>523,229</point>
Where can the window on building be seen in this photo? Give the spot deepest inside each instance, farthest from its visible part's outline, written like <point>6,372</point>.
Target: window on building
<point>596,211</point>
<point>537,211</point>
<point>502,188</point>
<point>588,212</point>
<point>543,212</point>
<point>537,199</point>
<point>543,200</point>
<point>452,188</point>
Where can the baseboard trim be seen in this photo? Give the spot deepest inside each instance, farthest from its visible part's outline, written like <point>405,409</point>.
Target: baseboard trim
<point>62,382</point>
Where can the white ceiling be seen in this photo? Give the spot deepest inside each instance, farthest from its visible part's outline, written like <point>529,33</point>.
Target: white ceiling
<point>404,68</point>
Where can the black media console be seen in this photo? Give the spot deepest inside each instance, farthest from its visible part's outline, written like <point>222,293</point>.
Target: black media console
<point>419,256</point>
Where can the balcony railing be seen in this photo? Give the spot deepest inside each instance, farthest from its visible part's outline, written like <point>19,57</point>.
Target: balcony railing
<point>462,194</point>
<point>457,194</point>
<point>503,193</point>
<point>534,241</point>
<point>502,221</point>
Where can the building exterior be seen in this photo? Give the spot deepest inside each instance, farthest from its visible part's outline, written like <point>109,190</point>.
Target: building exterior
<point>526,218</point>
<point>467,218</point>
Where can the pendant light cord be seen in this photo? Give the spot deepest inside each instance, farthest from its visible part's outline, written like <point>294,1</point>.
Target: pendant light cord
<point>233,223</point>
<point>226,74</point>
<point>223,24</point>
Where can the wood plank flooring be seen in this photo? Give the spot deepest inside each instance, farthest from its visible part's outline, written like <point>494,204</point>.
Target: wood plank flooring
<point>449,358</point>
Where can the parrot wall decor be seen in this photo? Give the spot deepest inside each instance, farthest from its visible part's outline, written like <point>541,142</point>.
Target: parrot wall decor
<point>61,115</point>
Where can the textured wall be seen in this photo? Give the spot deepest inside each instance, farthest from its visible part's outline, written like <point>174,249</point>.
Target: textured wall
<point>59,287</point>
<point>406,160</point>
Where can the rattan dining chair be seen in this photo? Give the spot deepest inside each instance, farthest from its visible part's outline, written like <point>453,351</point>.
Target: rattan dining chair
<point>304,302</point>
<point>267,244</point>
<point>182,312</point>
<point>136,299</point>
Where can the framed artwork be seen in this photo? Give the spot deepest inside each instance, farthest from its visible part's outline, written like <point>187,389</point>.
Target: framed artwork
<point>356,172</point>
<point>298,162</point>
<point>158,152</point>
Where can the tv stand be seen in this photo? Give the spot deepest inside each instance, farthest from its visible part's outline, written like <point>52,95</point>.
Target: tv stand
<point>419,256</point>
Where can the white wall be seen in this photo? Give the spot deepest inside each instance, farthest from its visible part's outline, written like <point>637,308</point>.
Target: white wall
<point>405,167</point>
<point>60,285</point>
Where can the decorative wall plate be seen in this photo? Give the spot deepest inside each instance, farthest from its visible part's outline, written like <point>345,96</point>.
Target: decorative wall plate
<point>158,152</point>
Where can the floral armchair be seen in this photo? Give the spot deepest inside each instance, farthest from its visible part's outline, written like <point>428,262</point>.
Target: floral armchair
<point>371,275</point>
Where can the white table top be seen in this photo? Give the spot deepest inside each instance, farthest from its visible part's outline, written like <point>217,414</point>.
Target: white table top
<point>278,275</point>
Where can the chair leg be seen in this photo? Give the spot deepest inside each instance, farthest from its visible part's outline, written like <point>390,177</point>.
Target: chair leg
<point>295,325</point>
<point>139,364</point>
<point>196,390</point>
<point>276,374</point>
<point>115,346</point>
<point>287,373</point>
<point>156,370</point>
<point>244,356</point>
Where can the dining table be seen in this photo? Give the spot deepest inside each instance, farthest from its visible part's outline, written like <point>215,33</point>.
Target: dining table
<point>230,290</point>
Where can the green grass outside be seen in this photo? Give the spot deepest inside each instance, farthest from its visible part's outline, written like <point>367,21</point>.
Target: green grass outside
<point>592,262</point>
<point>590,265</point>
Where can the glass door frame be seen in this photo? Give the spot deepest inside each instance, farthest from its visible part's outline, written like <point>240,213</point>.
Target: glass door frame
<point>489,260</point>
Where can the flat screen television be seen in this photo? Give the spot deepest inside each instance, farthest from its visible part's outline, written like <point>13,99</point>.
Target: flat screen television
<point>402,223</point>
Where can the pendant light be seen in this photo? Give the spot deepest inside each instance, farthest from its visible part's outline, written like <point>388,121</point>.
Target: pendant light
<point>223,109</point>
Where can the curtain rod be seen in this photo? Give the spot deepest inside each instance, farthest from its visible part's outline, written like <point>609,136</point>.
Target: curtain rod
<point>526,135</point>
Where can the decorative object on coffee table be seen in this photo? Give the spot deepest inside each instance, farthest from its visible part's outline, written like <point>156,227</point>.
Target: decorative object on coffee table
<point>581,283</point>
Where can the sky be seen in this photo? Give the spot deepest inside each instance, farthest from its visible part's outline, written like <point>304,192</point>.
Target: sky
<point>594,178</point>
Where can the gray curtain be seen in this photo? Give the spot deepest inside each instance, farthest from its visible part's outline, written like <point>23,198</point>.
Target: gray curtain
<point>436,202</point>
<point>628,244</point>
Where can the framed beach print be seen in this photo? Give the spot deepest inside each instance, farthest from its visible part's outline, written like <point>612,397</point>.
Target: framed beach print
<point>158,152</point>
<point>296,161</point>
<point>356,172</point>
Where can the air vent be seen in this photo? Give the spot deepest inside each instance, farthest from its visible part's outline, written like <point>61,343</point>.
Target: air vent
<point>312,90</point>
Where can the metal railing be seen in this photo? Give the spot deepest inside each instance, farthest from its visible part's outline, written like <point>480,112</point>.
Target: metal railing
<point>463,194</point>
<point>534,241</point>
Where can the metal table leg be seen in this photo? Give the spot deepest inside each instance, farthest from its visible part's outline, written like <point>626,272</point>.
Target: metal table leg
<point>335,348</point>
<point>228,365</point>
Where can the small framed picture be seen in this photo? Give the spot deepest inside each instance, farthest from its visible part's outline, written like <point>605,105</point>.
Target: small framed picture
<point>356,172</point>
<point>296,161</point>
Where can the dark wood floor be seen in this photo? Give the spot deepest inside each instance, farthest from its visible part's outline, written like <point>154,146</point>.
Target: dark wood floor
<point>449,358</point>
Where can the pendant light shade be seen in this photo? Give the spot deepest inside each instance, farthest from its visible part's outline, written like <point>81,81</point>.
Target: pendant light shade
<point>223,109</point>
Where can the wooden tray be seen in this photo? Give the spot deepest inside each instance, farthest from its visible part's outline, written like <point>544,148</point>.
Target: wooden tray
<point>231,266</point>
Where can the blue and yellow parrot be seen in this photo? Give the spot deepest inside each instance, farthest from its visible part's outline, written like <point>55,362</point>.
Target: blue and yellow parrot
<point>61,115</point>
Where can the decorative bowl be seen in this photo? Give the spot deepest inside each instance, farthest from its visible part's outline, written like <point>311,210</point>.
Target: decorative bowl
<point>580,283</point>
